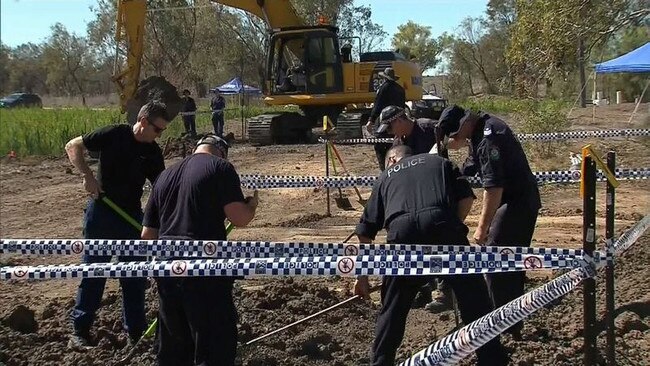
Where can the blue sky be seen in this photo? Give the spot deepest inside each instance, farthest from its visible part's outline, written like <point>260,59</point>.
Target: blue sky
<point>23,21</point>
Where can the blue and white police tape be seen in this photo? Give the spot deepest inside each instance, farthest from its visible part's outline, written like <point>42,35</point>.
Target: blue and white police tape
<point>252,249</point>
<point>550,136</point>
<point>254,181</point>
<point>632,235</point>
<point>458,345</point>
<point>454,347</point>
<point>391,265</point>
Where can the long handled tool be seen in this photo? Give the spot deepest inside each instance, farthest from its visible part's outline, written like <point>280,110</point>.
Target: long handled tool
<point>152,327</point>
<point>341,202</point>
<point>353,298</point>
<point>347,172</point>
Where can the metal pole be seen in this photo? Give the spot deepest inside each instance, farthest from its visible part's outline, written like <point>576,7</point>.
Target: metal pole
<point>609,269</point>
<point>589,245</point>
<point>327,174</point>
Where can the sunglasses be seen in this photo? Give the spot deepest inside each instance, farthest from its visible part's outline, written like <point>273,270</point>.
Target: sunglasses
<point>156,128</point>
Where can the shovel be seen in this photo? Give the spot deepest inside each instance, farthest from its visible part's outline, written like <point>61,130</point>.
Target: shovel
<point>345,170</point>
<point>341,202</point>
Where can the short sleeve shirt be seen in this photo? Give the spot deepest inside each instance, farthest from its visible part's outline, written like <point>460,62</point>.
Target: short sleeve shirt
<point>188,199</point>
<point>502,163</point>
<point>124,163</point>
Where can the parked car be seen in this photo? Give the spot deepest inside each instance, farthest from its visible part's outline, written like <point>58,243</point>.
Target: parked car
<point>25,100</point>
<point>430,106</point>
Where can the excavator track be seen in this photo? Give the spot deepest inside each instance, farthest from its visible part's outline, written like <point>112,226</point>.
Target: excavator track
<point>279,128</point>
<point>259,129</point>
<point>348,125</point>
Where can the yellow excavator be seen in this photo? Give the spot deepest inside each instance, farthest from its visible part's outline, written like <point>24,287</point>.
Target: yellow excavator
<point>306,66</point>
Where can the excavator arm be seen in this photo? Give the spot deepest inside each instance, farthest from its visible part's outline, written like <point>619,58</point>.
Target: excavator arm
<point>276,13</point>
<point>131,17</point>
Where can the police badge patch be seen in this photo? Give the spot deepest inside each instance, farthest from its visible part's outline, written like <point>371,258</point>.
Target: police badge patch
<point>494,154</point>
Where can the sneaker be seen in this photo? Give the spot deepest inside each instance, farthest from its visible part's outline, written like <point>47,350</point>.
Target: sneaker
<point>77,341</point>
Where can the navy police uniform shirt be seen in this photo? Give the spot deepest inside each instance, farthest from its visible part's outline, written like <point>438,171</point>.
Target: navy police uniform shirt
<point>389,93</point>
<point>414,197</point>
<point>422,137</point>
<point>501,162</point>
<point>124,164</point>
<point>189,197</point>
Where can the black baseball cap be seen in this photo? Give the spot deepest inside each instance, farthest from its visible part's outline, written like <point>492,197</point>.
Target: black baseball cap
<point>388,115</point>
<point>452,119</point>
<point>215,141</point>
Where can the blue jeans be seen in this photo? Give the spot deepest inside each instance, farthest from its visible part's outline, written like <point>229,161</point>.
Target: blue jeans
<point>101,222</point>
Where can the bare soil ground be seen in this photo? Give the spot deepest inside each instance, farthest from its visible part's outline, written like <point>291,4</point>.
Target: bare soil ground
<point>43,198</point>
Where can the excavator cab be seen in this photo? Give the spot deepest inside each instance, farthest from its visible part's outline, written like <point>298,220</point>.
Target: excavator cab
<point>305,60</point>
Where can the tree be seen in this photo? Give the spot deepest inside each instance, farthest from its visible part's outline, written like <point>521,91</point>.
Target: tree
<point>68,60</point>
<point>546,35</point>
<point>4,67</point>
<point>413,39</point>
<point>26,72</point>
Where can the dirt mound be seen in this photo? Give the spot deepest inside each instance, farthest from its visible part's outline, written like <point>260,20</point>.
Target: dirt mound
<point>154,88</point>
<point>175,147</point>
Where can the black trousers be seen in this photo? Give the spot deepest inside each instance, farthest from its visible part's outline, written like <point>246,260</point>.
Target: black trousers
<point>197,322</point>
<point>512,226</point>
<point>397,293</point>
<point>429,226</point>
<point>380,152</point>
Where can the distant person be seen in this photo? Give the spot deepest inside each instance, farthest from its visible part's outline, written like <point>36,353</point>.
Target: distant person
<point>190,201</point>
<point>511,199</point>
<point>127,156</point>
<point>389,93</point>
<point>217,105</point>
<point>189,119</point>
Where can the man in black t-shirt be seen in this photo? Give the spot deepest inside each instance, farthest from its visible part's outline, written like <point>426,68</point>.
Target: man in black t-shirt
<point>421,199</point>
<point>127,156</point>
<point>511,196</point>
<point>197,323</point>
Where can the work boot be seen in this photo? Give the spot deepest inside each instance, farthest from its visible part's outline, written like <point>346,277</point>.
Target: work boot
<point>79,341</point>
<point>440,303</point>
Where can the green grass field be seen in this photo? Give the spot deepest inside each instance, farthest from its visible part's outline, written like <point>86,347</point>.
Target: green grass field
<point>44,132</point>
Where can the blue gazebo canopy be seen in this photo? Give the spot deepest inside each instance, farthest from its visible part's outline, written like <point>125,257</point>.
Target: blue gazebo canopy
<point>637,60</point>
<point>235,86</point>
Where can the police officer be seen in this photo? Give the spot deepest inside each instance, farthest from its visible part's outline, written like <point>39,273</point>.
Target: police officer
<point>389,93</point>
<point>511,197</point>
<point>421,135</point>
<point>190,200</point>
<point>420,199</point>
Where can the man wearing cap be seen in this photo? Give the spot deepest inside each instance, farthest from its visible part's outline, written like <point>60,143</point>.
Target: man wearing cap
<point>511,197</point>
<point>128,155</point>
<point>419,135</point>
<point>197,322</point>
<point>188,111</point>
<point>420,199</point>
<point>389,93</point>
